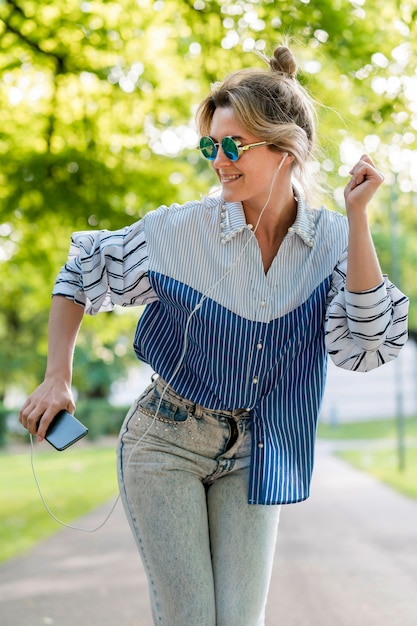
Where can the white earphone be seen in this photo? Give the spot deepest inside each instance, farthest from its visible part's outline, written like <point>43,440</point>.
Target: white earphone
<point>205,295</point>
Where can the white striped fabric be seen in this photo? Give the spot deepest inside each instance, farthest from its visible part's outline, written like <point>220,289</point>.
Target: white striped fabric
<point>247,340</point>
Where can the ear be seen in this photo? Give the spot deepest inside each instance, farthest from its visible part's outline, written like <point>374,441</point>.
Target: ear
<point>288,157</point>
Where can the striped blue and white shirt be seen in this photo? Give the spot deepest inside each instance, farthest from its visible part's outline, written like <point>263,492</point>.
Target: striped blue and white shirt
<point>226,335</point>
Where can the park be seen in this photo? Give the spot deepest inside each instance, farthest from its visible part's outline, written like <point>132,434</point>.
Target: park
<point>98,101</point>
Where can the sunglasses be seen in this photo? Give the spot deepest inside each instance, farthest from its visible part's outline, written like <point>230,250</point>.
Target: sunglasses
<point>231,147</point>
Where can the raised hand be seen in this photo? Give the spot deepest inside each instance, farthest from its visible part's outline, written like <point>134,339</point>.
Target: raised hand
<point>365,180</point>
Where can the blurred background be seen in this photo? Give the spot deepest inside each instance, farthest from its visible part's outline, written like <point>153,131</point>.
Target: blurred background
<point>97,102</point>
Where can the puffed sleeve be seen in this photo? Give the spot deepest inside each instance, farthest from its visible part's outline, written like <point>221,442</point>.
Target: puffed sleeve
<point>106,268</point>
<point>367,329</point>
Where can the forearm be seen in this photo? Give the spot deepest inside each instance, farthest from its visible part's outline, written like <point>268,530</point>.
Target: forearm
<point>54,393</point>
<point>64,323</point>
<point>363,269</point>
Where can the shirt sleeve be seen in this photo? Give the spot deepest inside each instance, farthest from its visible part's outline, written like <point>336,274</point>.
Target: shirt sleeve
<point>367,329</point>
<point>106,268</point>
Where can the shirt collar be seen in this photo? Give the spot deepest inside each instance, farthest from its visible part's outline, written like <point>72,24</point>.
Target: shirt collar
<point>304,222</point>
<point>233,221</point>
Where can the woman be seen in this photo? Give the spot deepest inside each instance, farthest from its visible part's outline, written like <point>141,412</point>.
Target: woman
<point>246,294</point>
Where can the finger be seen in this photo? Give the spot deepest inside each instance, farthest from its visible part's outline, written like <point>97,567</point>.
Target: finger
<point>36,416</point>
<point>43,424</point>
<point>364,171</point>
<point>364,159</point>
<point>366,162</point>
<point>25,410</point>
<point>34,419</point>
<point>50,414</point>
<point>358,175</point>
<point>367,159</point>
<point>27,413</point>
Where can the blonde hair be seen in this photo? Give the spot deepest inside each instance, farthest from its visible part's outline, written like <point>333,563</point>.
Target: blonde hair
<point>273,106</point>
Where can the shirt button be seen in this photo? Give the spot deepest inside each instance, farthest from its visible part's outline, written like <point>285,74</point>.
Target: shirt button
<point>259,346</point>
<point>255,380</point>
<point>262,304</point>
<point>261,444</point>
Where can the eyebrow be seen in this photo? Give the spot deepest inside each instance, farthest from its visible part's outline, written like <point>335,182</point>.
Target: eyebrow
<point>238,137</point>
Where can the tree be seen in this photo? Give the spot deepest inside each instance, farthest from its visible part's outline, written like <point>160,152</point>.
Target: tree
<point>98,96</point>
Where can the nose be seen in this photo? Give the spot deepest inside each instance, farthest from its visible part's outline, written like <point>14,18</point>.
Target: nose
<point>221,158</point>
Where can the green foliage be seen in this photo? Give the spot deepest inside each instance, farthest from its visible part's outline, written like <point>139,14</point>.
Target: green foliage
<point>100,417</point>
<point>73,483</point>
<point>3,425</point>
<point>97,103</point>
<point>103,353</point>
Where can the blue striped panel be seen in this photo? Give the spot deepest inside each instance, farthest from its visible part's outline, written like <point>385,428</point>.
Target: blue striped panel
<point>221,362</point>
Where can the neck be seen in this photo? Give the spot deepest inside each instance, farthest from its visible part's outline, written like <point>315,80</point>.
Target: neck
<point>276,217</point>
<point>272,228</point>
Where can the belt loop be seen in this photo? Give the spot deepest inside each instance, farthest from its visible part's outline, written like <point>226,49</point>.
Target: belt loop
<point>197,411</point>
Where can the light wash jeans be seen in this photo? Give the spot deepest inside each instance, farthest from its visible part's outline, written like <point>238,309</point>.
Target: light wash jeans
<point>183,477</point>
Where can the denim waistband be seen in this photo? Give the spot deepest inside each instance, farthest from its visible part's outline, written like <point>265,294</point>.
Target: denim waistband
<point>196,409</point>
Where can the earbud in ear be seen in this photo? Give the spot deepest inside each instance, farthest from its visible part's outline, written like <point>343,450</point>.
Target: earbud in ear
<point>281,163</point>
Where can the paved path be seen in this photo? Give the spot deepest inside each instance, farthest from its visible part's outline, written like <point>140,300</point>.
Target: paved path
<point>345,557</point>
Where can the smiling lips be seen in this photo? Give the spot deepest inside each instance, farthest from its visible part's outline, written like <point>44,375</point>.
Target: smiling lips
<point>226,179</point>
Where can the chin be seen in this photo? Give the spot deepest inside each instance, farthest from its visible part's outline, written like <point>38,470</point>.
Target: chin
<point>230,196</point>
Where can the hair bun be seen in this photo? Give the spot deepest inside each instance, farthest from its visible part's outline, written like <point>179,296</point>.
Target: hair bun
<point>283,61</point>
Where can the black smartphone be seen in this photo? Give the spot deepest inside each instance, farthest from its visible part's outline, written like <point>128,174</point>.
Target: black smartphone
<point>65,430</point>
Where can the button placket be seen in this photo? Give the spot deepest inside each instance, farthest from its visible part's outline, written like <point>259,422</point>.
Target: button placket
<point>262,307</point>
<point>257,361</point>
<point>258,432</point>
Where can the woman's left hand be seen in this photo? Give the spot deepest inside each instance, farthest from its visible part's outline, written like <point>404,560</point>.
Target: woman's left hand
<point>365,180</point>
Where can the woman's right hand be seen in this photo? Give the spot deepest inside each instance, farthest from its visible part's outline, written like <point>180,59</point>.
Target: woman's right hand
<point>54,394</point>
<point>43,404</point>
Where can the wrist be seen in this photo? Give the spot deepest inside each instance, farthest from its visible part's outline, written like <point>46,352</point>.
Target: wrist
<point>359,211</point>
<point>358,220</point>
<point>59,376</point>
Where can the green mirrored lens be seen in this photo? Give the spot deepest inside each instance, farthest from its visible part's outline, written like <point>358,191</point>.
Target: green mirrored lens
<point>208,148</point>
<point>230,148</point>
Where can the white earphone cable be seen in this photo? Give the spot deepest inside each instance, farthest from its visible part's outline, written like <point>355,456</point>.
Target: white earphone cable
<point>200,304</point>
<point>175,372</point>
<point>86,530</point>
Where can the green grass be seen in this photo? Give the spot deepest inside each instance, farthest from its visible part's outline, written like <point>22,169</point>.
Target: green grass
<point>380,457</point>
<point>73,483</point>
<point>383,465</point>
<point>376,429</point>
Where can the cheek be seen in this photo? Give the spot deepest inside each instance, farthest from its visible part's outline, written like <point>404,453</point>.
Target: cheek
<point>262,175</point>
<point>269,170</point>
<point>215,170</point>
